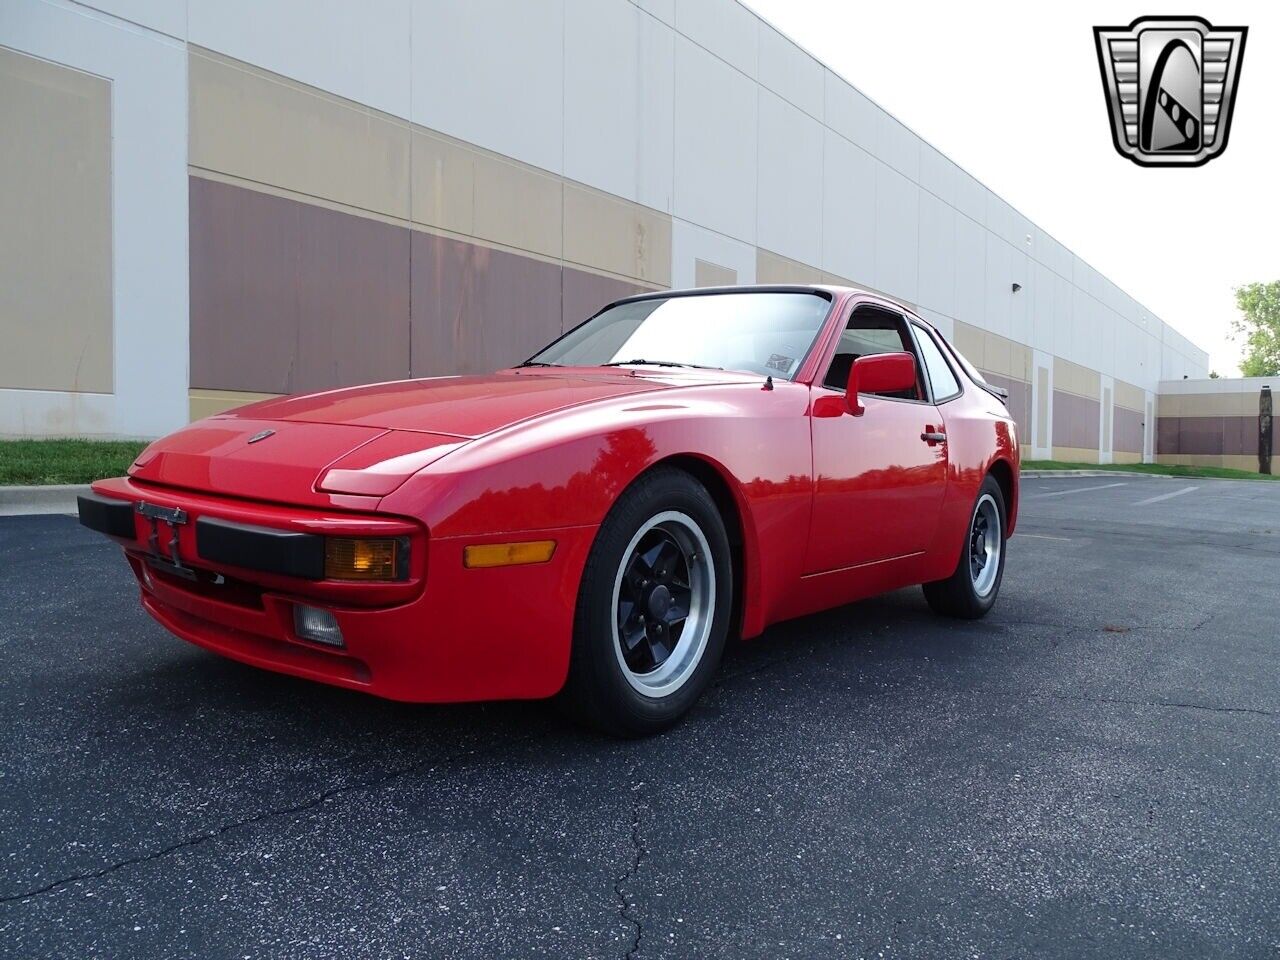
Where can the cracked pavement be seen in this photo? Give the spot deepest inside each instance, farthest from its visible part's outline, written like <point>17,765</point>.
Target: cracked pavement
<point>1092,771</point>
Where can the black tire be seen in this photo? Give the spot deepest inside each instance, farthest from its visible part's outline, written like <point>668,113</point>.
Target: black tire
<point>959,595</point>
<point>601,689</point>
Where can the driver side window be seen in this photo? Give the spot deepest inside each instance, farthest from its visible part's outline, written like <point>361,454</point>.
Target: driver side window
<point>872,330</point>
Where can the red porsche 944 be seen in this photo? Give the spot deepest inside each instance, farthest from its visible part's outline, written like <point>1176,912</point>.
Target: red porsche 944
<point>592,523</point>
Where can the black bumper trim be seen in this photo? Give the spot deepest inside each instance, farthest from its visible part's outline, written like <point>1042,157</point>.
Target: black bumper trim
<point>261,548</point>
<point>107,515</point>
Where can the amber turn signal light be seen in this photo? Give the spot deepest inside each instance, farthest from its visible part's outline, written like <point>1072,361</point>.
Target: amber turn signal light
<point>360,559</point>
<point>508,554</point>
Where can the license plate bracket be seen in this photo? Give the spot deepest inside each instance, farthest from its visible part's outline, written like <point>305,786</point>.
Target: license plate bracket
<point>173,517</point>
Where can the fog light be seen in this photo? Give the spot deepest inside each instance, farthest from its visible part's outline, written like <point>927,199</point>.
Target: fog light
<point>312,623</point>
<point>360,559</point>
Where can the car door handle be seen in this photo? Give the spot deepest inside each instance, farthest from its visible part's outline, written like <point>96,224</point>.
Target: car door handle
<point>932,437</point>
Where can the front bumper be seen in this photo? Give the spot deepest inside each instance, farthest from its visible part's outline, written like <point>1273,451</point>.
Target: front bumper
<point>443,633</point>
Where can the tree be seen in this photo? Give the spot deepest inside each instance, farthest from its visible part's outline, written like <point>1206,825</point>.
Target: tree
<point>1258,327</point>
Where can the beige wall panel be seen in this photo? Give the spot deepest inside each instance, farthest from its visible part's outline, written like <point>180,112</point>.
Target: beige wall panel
<point>1121,457</point>
<point>1075,454</point>
<point>996,355</point>
<point>1209,405</point>
<point>518,206</point>
<point>55,227</point>
<point>1072,378</point>
<point>774,268</point>
<point>1129,396</point>
<point>609,233</point>
<point>835,280</point>
<point>444,183</point>
<point>708,274</point>
<point>205,403</point>
<point>1020,361</point>
<point>971,342</point>
<point>252,124</point>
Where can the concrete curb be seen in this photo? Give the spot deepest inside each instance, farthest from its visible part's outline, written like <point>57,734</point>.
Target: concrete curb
<point>1050,474</point>
<point>51,498</point>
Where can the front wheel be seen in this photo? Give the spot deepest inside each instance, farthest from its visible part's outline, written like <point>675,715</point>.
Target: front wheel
<point>971,590</point>
<point>653,607</point>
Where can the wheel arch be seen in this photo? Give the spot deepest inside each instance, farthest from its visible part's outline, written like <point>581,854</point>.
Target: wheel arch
<point>1003,473</point>
<point>730,502</point>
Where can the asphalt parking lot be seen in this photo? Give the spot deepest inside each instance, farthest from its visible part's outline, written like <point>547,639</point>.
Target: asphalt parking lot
<point>1092,771</point>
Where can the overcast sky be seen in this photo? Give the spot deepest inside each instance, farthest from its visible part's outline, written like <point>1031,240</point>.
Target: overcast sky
<point>1012,92</point>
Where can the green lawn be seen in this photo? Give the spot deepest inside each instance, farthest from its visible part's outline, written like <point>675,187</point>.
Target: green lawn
<point>1155,469</point>
<point>30,462</point>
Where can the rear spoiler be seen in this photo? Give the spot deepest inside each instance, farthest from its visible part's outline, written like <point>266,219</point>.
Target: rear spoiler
<point>999,392</point>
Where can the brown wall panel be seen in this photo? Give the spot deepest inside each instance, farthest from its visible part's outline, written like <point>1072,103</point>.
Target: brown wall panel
<point>289,297</point>
<point>1019,402</point>
<point>476,309</point>
<point>1210,436</point>
<point>1075,421</point>
<point>1200,435</point>
<point>585,293</point>
<point>1167,430</point>
<point>1127,431</point>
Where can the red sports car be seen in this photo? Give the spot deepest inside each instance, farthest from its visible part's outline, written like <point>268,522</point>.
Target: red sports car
<point>592,523</point>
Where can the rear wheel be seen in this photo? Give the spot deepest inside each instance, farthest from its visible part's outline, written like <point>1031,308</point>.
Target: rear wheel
<point>971,590</point>
<point>653,607</point>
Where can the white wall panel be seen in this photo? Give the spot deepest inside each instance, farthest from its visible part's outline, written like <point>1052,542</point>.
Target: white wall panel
<point>999,277</point>
<point>898,146</point>
<point>690,243</point>
<point>149,222</point>
<point>1020,303</point>
<point>355,50</point>
<point>724,27</point>
<point>851,114</point>
<point>971,197</point>
<point>790,72</point>
<point>789,205</point>
<point>970,255</point>
<point>848,210</point>
<point>897,233</point>
<point>938,175</point>
<point>937,288</point>
<point>664,10</point>
<point>715,148</point>
<point>492,72</point>
<point>618,100</point>
<point>165,16</point>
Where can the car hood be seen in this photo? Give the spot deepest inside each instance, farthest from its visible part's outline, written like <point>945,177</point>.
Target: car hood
<point>363,441</point>
<point>465,407</point>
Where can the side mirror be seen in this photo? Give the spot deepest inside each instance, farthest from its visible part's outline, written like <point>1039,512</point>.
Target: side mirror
<point>879,373</point>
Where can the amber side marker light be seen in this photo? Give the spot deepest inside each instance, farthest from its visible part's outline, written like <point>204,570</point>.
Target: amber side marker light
<point>360,559</point>
<point>508,554</point>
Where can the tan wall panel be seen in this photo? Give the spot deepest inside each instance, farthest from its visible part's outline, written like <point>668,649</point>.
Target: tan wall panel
<point>1121,456</point>
<point>1129,396</point>
<point>971,341</point>
<point>1209,405</point>
<point>55,227</point>
<point>1075,454</point>
<point>248,123</point>
<point>609,233</point>
<point>444,183</point>
<point>205,403</point>
<point>708,274</point>
<point>774,268</point>
<point>1070,377</point>
<point>518,206</point>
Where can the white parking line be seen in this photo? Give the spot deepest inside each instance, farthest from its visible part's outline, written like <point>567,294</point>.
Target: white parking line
<point>1063,493</point>
<point>1165,496</point>
<point>1042,536</point>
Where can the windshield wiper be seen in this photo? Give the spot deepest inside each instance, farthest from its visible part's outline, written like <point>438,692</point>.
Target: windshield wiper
<point>658,363</point>
<point>538,363</point>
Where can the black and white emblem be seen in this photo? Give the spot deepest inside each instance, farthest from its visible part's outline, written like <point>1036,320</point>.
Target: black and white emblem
<point>1170,84</point>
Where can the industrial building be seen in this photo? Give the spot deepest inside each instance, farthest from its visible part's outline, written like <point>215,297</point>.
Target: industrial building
<point>210,201</point>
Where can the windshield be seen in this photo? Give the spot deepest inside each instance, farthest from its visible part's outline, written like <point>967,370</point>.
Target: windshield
<point>759,332</point>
